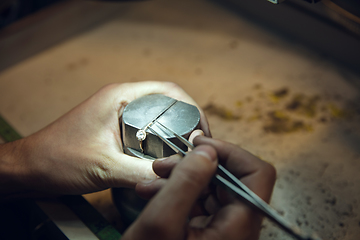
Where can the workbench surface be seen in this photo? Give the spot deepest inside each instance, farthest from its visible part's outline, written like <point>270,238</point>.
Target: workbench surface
<point>275,98</point>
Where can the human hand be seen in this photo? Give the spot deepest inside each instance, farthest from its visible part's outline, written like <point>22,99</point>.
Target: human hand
<point>81,152</point>
<point>185,195</point>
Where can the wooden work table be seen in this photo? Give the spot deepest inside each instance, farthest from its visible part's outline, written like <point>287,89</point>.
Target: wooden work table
<point>275,98</point>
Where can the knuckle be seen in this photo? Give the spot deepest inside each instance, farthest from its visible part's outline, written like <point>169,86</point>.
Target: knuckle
<point>109,86</point>
<point>269,171</point>
<point>101,172</point>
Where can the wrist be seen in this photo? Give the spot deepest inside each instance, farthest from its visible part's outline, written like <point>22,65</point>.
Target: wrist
<point>12,167</point>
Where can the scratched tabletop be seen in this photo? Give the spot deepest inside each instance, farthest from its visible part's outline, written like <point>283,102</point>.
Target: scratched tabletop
<point>275,98</point>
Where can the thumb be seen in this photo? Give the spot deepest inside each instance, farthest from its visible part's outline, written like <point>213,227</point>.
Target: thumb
<point>127,171</point>
<point>165,217</point>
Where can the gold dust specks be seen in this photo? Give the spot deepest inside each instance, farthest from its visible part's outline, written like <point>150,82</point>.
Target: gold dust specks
<point>337,112</point>
<point>282,111</point>
<point>221,112</point>
<point>280,122</point>
<point>239,104</point>
<point>304,105</point>
<point>279,94</point>
<point>254,117</point>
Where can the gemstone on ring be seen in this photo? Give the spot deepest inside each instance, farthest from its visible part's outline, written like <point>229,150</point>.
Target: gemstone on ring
<point>140,135</point>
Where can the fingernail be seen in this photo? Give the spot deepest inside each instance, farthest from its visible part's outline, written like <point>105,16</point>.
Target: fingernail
<point>202,150</point>
<point>200,136</point>
<point>147,181</point>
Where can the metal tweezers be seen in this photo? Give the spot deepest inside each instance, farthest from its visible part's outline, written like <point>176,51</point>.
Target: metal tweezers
<point>231,183</point>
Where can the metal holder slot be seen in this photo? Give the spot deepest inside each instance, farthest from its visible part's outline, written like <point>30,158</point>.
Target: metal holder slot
<point>141,113</point>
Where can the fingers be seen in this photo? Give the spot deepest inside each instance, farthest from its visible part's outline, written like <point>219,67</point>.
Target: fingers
<point>116,97</point>
<point>236,220</point>
<point>258,175</point>
<point>127,92</point>
<point>147,189</point>
<point>194,134</point>
<point>163,167</point>
<point>165,217</point>
<point>127,171</point>
<point>204,124</point>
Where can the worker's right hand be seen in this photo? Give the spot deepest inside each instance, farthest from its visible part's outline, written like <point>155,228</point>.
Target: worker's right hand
<point>185,207</point>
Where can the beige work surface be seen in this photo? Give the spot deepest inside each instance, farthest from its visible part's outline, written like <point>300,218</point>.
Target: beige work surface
<point>274,98</point>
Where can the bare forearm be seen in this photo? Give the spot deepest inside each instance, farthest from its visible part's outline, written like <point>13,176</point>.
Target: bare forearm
<point>11,167</point>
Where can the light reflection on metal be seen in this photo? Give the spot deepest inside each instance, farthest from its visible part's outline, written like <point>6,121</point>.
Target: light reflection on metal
<point>144,112</point>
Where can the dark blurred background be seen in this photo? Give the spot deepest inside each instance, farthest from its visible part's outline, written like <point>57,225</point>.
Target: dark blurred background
<point>330,27</point>
<point>12,10</point>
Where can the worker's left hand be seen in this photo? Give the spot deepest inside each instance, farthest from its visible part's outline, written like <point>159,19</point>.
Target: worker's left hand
<point>82,151</point>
